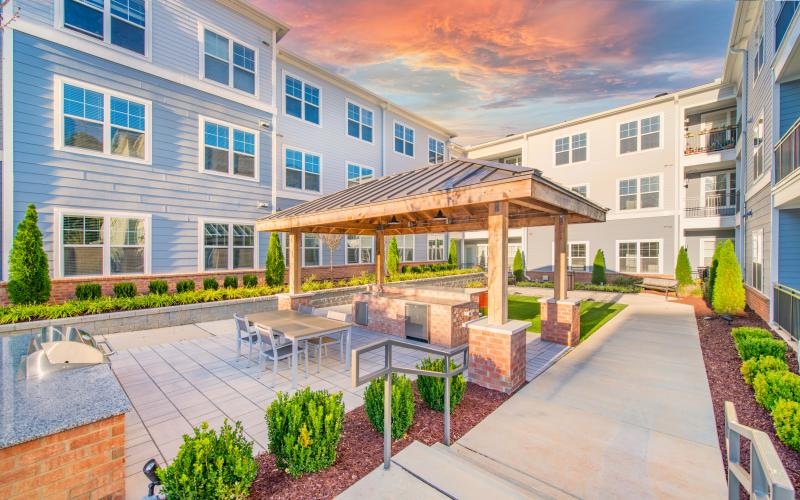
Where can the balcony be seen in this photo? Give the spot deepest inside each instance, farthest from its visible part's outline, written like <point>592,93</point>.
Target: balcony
<point>786,309</point>
<point>784,20</point>
<point>711,141</point>
<point>712,211</point>
<point>787,165</point>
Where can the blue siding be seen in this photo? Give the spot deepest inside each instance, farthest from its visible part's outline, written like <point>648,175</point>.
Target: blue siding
<point>171,188</point>
<point>790,105</point>
<point>788,255</point>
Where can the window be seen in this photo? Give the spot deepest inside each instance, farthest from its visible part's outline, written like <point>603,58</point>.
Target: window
<point>405,245</point>
<point>359,249</point>
<point>312,252</point>
<point>435,247</point>
<point>758,149</point>
<point>577,256</point>
<point>302,100</point>
<point>229,150</point>
<point>640,135</point>
<point>757,260</point>
<point>643,257</point>
<point>719,189</point>
<point>562,151</point>
<point>628,134</point>
<point>582,189</point>
<point>118,22</point>
<point>758,57</point>
<point>356,174</point>
<point>102,245</point>
<point>435,151</point>
<point>707,249</point>
<point>359,122</point>
<point>576,146</point>
<point>403,140</point>
<point>228,246</point>
<point>88,127</point>
<point>229,62</point>
<point>651,132</point>
<point>511,160</point>
<point>302,170</point>
<point>640,192</point>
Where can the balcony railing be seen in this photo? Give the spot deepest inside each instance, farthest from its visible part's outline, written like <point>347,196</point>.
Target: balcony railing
<point>787,309</point>
<point>787,153</point>
<point>712,205</point>
<point>784,19</point>
<point>711,141</point>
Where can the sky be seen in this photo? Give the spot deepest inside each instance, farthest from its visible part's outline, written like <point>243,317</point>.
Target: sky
<point>485,69</point>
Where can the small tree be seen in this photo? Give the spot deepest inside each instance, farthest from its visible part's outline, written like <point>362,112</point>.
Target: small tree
<point>683,268</point>
<point>712,273</point>
<point>452,253</point>
<point>393,258</point>
<point>599,268</point>
<point>28,273</point>
<point>332,242</point>
<point>519,266</point>
<point>728,295</point>
<point>275,268</point>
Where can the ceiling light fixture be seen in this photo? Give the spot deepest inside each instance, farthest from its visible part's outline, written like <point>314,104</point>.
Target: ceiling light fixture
<point>393,221</point>
<point>439,216</point>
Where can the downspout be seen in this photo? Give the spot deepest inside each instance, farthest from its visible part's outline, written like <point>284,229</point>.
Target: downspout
<point>741,170</point>
<point>274,182</point>
<point>383,138</point>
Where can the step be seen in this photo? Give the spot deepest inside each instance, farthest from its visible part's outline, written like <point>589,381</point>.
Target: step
<point>454,476</point>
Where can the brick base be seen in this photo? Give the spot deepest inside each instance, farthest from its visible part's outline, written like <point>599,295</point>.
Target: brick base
<point>561,321</point>
<point>497,355</point>
<point>757,302</point>
<point>84,462</point>
<point>291,302</point>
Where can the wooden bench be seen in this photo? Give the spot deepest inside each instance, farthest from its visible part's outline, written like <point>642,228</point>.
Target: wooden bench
<point>660,284</point>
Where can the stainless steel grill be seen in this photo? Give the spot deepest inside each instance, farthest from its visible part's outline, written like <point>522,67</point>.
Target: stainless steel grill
<point>52,350</point>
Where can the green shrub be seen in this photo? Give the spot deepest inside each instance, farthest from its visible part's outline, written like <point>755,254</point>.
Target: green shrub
<point>210,284</point>
<point>475,284</point>
<point>626,281</point>
<point>599,268</point>
<point>124,289</point>
<point>184,286</point>
<point>756,347</point>
<point>250,281</point>
<point>312,284</point>
<point>519,266</point>
<point>772,386</point>
<point>158,287</point>
<point>405,269</point>
<point>786,418</point>
<point>402,404</point>
<point>305,429</point>
<point>728,295</point>
<point>88,291</point>
<point>416,269</point>
<point>452,254</point>
<point>754,366</point>
<point>749,332</point>
<point>28,273</point>
<point>230,282</point>
<point>431,389</point>
<point>393,257</point>
<point>683,268</point>
<point>275,267</point>
<point>211,465</point>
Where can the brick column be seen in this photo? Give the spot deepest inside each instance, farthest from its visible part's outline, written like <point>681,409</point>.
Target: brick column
<point>561,320</point>
<point>289,301</point>
<point>497,354</point>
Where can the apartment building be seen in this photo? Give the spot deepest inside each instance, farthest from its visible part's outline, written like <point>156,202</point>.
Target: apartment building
<point>151,134</point>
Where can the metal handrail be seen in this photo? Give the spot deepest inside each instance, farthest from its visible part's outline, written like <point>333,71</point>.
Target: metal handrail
<point>787,309</point>
<point>767,477</point>
<point>388,369</point>
<point>710,141</point>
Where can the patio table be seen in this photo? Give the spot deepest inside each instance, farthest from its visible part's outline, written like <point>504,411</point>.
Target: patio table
<point>297,327</point>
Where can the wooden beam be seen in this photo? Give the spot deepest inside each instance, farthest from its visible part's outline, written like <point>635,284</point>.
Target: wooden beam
<point>498,262</point>
<point>560,274</point>
<point>295,262</point>
<point>538,206</point>
<point>379,260</point>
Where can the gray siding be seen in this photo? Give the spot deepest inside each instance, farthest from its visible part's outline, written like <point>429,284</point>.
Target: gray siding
<point>759,100</point>
<point>789,248</point>
<point>694,242</point>
<point>790,105</point>
<point>761,218</point>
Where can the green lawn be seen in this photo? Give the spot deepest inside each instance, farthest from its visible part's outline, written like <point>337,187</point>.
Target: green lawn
<point>593,314</point>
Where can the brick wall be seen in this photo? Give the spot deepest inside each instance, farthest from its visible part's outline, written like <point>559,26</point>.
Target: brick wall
<point>561,321</point>
<point>84,462</point>
<point>497,359</point>
<point>757,302</point>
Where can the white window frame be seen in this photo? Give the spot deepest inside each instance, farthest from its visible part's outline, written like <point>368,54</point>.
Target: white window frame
<point>302,119</point>
<point>758,52</point>
<point>586,185</point>
<point>639,134</point>
<point>201,166</point>
<point>360,177</point>
<point>701,258</point>
<point>757,257</point>
<point>106,41</point>
<point>58,228</point>
<point>58,125</point>
<point>435,236</point>
<point>303,249</point>
<point>413,144</point>
<point>638,255</point>
<point>758,149</point>
<point>432,138</point>
<point>731,180</point>
<point>400,247</point>
<point>201,27</point>
<point>347,102</point>
<point>639,193</point>
<point>321,171</point>
<point>570,256</point>
<point>570,150</point>
<point>359,263</point>
<point>201,261</point>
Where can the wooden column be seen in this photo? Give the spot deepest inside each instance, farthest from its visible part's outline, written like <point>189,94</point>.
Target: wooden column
<point>560,274</point>
<point>295,262</point>
<point>379,260</point>
<point>498,263</point>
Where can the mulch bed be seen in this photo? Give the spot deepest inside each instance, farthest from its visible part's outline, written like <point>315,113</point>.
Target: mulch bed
<point>361,448</point>
<point>725,380</point>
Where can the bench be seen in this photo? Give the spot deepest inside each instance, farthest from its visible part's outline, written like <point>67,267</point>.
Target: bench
<point>660,284</point>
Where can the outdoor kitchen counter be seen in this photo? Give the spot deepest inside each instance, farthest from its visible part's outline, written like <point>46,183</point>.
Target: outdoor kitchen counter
<point>34,408</point>
<point>426,299</point>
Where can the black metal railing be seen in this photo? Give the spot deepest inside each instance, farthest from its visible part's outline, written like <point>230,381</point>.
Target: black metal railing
<point>711,141</point>
<point>784,20</point>
<point>786,306</point>
<point>787,153</point>
<point>712,205</point>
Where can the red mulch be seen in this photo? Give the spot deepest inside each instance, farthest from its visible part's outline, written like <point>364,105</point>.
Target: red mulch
<point>726,383</point>
<point>361,448</point>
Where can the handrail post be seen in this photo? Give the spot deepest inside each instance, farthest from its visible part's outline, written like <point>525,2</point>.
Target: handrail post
<point>732,442</point>
<point>387,409</point>
<point>447,400</point>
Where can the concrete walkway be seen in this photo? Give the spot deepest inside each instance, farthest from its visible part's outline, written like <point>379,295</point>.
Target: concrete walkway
<point>627,414</point>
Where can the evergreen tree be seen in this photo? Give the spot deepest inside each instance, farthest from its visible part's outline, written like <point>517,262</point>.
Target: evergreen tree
<point>393,258</point>
<point>728,295</point>
<point>519,266</point>
<point>28,273</point>
<point>683,268</point>
<point>452,253</point>
<point>712,273</point>
<point>275,267</point>
<point>599,268</point>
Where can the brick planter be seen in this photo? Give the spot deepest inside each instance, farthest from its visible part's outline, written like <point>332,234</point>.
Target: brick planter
<point>497,354</point>
<point>561,320</point>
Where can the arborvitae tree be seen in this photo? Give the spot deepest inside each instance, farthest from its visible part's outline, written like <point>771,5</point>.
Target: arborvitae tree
<point>275,267</point>
<point>519,266</point>
<point>683,268</point>
<point>452,253</point>
<point>712,273</point>
<point>728,296</point>
<point>599,268</point>
<point>28,273</point>
<point>393,258</point>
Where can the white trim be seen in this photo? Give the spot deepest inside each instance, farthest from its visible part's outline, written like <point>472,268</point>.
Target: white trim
<point>569,253</point>
<point>8,142</point>
<point>303,249</point>
<point>360,166</point>
<point>757,186</point>
<point>305,82</point>
<point>701,258</point>
<point>201,261</point>
<point>639,208</point>
<point>756,235</point>
<point>413,247</point>
<point>428,148</point>
<point>569,137</point>
<point>359,236</point>
<point>660,242</point>
<point>302,190</point>
<point>638,120</point>
<point>58,239</point>
<point>347,102</point>
<point>435,236</point>
<point>201,122</point>
<point>201,28</point>
<point>413,144</point>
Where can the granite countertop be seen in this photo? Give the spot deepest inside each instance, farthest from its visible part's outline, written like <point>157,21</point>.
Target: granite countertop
<point>34,408</point>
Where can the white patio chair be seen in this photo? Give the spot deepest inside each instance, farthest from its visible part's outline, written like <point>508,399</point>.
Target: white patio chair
<point>271,348</point>
<point>331,339</point>
<point>244,334</point>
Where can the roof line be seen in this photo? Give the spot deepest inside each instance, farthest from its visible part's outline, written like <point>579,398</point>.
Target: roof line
<point>280,27</point>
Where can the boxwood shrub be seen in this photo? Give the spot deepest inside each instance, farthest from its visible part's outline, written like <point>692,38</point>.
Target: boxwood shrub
<point>211,465</point>
<point>750,348</point>
<point>184,286</point>
<point>88,291</point>
<point>786,417</point>
<point>772,386</point>
<point>753,366</point>
<point>250,281</point>
<point>402,404</point>
<point>431,389</point>
<point>210,284</point>
<point>749,332</point>
<point>158,287</point>
<point>305,429</point>
<point>124,289</point>
<point>231,282</point>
